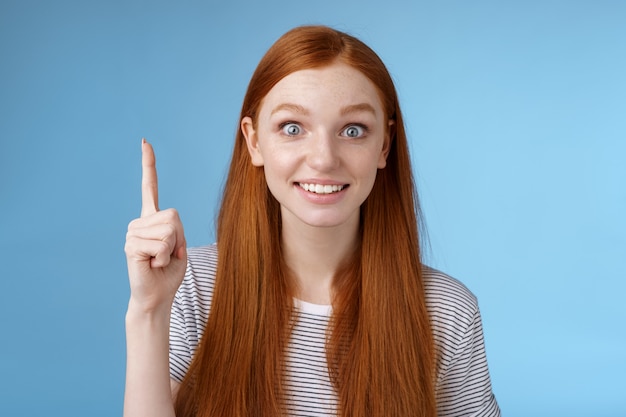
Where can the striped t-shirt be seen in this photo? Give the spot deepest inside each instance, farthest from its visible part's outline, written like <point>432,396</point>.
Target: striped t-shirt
<point>463,385</point>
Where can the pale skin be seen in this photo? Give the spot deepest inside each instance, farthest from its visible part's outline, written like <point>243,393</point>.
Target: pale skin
<point>342,139</point>
<point>156,257</point>
<point>321,127</point>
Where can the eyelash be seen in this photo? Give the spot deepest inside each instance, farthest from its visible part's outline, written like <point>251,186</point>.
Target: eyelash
<point>364,128</point>
<point>283,125</point>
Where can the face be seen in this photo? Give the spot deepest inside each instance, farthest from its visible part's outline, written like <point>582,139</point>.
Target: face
<point>321,136</point>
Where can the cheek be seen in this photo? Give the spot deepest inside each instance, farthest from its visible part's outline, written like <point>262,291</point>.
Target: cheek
<point>369,170</point>
<point>276,160</point>
<point>278,168</point>
<point>369,162</point>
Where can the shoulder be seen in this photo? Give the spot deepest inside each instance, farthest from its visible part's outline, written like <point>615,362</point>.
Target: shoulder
<point>463,385</point>
<point>201,263</point>
<point>454,317</point>
<point>203,256</point>
<point>190,309</point>
<point>196,290</point>
<point>446,296</point>
<point>453,311</point>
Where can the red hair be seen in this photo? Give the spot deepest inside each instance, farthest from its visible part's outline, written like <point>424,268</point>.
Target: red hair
<point>380,348</point>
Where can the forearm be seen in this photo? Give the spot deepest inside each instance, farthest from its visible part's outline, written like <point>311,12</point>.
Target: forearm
<point>148,391</point>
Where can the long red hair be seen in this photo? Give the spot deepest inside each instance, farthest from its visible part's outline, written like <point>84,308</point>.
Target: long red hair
<point>380,349</point>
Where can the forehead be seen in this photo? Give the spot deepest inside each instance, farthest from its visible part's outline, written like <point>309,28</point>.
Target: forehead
<point>336,85</point>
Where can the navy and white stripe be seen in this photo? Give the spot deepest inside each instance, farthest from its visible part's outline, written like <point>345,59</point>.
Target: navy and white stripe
<point>463,385</point>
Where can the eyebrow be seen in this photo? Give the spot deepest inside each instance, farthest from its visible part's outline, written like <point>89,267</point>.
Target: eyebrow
<point>295,108</point>
<point>353,108</point>
<point>358,108</point>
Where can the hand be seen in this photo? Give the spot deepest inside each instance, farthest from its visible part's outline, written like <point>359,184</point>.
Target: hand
<point>155,247</point>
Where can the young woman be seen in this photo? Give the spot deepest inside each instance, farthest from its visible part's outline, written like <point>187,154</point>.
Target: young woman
<point>314,301</point>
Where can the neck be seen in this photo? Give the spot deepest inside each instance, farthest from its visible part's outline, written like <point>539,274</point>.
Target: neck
<point>315,254</point>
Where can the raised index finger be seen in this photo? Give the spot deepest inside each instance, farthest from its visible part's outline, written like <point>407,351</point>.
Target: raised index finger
<point>149,184</point>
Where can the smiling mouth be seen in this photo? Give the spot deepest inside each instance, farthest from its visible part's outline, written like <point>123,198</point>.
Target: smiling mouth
<point>321,189</point>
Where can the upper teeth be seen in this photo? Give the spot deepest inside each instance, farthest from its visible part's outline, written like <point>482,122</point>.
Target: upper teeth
<point>321,189</point>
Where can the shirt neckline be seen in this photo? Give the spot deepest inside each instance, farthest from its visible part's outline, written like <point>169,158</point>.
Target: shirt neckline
<point>310,308</point>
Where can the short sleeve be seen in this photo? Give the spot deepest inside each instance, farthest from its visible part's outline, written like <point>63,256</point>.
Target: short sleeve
<point>181,352</point>
<point>190,309</point>
<point>463,385</point>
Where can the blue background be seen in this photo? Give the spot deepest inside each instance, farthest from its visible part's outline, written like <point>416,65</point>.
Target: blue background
<point>516,112</point>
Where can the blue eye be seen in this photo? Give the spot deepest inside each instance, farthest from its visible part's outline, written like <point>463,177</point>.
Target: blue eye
<point>291,129</point>
<point>354,131</point>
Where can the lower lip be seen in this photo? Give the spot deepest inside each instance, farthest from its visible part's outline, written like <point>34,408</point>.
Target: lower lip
<point>321,198</point>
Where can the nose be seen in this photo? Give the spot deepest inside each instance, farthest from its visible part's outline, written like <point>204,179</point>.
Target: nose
<point>323,152</point>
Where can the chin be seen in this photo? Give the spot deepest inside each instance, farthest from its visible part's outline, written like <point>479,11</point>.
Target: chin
<point>328,222</point>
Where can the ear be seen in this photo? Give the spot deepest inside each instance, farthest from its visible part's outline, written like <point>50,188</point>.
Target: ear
<point>252,141</point>
<point>389,134</point>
